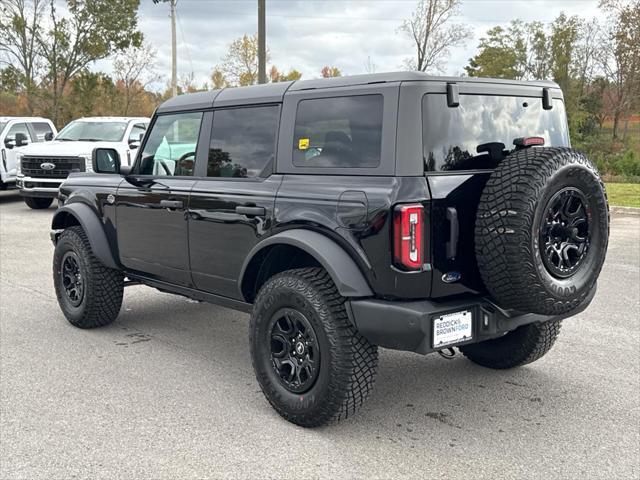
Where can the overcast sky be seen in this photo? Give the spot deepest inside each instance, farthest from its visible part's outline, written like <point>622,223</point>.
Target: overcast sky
<point>308,34</point>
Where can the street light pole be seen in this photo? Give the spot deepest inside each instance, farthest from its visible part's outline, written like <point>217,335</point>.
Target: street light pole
<point>262,47</point>
<point>174,67</point>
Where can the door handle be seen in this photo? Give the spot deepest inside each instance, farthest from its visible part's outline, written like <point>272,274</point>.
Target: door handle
<point>454,227</point>
<point>251,211</point>
<point>172,204</point>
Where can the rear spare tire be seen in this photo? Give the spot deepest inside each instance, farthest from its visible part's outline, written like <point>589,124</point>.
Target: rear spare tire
<point>542,230</point>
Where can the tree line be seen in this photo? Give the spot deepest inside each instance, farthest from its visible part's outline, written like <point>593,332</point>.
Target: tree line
<point>48,57</point>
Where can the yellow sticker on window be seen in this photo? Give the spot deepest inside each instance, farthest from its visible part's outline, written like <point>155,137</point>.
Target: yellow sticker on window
<point>303,144</point>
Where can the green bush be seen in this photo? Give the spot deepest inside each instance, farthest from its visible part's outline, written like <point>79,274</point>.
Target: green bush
<point>615,160</point>
<point>627,164</point>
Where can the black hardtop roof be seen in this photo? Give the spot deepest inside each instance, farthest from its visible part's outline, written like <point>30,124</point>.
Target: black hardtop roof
<point>274,92</point>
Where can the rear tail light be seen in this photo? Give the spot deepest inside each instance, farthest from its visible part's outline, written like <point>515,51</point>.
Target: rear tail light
<point>408,231</point>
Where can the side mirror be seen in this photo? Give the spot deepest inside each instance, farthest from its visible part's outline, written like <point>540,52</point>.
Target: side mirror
<point>9,142</point>
<point>133,144</point>
<point>105,160</point>
<point>21,139</point>
<point>48,136</point>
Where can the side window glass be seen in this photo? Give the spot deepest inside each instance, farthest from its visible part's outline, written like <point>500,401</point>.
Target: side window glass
<point>41,129</point>
<point>243,141</point>
<point>22,131</point>
<point>170,149</point>
<point>340,132</point>
<point>137,132</point>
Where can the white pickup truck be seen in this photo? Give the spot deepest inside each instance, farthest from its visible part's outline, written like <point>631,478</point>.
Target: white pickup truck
<point>16,133</point>
<point>43,167</point>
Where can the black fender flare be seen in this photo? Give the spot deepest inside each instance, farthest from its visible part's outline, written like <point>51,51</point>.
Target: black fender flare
<point>343,270</point>
<point>91,224</point>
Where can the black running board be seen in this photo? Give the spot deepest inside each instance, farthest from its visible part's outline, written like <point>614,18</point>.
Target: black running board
<point>192,293</point>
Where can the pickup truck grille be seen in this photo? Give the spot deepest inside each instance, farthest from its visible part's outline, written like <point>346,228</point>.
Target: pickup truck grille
<point>63,166</point>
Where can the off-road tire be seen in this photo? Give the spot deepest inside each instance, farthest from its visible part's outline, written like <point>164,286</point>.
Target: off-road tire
<point>507,233</point>
<point>38,203</point>
<point>523,345</point>
<point>103,287</point>
<point>348,362</point>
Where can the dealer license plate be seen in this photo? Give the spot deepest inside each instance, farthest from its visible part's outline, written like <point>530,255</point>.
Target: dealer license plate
<point>452,328</point>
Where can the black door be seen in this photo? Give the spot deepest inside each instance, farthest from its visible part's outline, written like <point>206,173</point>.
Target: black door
<point>151,207</point>
<point>232,209</point>
<point>152,230</point>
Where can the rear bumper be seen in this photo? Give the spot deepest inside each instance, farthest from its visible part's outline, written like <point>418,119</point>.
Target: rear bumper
<point>409,325</point>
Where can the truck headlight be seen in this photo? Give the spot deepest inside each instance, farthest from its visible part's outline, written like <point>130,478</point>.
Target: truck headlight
<point>18,163</point>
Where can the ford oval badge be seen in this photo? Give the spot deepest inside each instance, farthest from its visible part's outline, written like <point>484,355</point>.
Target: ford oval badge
<point>47,166</point>
<point>451,277</point>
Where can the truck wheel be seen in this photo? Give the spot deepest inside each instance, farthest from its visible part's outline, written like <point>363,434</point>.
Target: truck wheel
<point>523,345</point>
<point>542,230</point>
<point>89,294</point>
<point>311,363</point>
<point>38,203</point>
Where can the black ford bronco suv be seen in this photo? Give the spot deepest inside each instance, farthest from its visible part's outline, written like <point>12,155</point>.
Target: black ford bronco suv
<point>397,210</point>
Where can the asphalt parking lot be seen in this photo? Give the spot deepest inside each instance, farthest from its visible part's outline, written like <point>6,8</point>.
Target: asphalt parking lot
<point>168,391</point>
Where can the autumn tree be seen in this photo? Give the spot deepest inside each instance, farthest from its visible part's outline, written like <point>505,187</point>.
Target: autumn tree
<point>218,79</point>
<point>133,69</point>
<point>19,46</point>
<point>275,75</point>
<point>432,33</point>
<point>240,65</point>
<point>328,72</point>
<point>620,59</point>
<point>92,30</point>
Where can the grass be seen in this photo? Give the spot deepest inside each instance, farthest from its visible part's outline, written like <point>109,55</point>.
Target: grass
<point>624,194</point>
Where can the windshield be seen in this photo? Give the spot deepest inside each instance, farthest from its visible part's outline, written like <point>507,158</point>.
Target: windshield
<point>480,132</point>
<point>93,131</point>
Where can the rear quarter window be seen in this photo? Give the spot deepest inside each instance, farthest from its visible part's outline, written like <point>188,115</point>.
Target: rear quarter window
<point>339,132</point>
<point>480,132</point>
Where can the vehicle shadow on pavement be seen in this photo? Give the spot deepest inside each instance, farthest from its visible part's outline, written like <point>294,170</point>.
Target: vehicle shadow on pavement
<point>414,395</point>
<point>10,196</point>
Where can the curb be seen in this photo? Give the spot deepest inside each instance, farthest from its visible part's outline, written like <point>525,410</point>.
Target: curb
<point>625,210</point>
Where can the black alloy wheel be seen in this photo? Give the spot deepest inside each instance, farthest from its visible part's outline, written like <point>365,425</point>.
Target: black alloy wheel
<point>310,361</point>
<point>564,232</point>
<point>72,279</point>
<point>89,294</point>
<point>295,352</point>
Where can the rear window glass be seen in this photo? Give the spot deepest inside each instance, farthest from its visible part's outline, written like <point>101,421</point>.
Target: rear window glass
<point>339,132</point>
<point>480,132</point>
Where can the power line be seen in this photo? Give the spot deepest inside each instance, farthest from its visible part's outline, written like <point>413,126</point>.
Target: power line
<point>184,41</point>
<point>305,17</point>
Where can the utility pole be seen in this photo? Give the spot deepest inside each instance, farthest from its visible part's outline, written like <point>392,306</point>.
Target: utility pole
<point>262,47</point>
<point>174,67</point>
